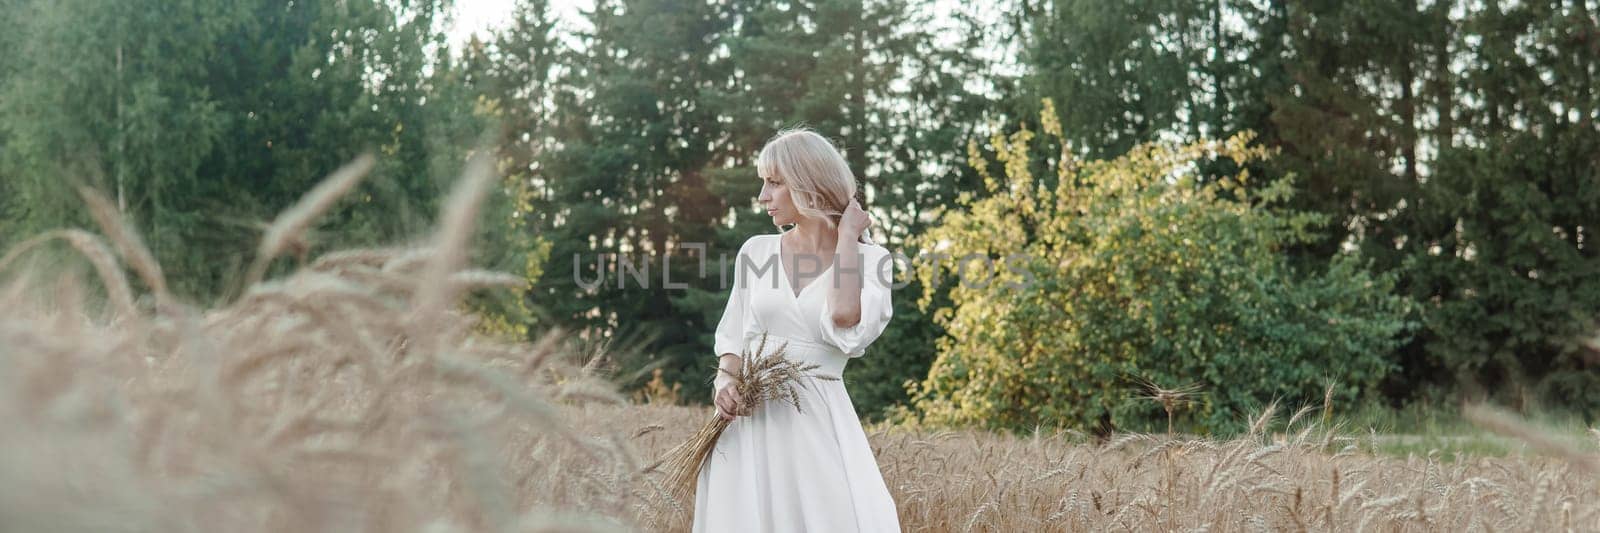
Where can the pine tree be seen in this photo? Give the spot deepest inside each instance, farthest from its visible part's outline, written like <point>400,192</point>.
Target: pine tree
<point>1500,241</point>
<point>628,182</point>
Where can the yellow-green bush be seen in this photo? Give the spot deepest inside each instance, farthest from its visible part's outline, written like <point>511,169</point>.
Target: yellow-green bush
<point>1110,272</point>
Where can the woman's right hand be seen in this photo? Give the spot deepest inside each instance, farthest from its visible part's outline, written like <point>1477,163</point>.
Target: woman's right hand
<point>729,404</point>
<point>854,220</point>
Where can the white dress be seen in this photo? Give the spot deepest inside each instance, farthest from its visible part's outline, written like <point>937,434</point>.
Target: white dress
<point>779,470</point>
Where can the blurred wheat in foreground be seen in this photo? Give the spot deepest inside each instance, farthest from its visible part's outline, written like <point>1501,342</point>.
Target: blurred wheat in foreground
<point>352,395</point>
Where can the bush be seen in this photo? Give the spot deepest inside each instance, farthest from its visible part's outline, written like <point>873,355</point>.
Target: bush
<point>1109,273</point>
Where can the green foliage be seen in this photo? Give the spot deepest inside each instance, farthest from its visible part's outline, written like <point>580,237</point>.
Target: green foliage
<point>110,95</point>
<point>203,120</point>
<point>1500,245</point>
<point>1139,272</point>
<point>1510,285</point>
<point>509,81</point>
<point>881,381</point>
<point>1450,142</point>
<point>1475,184</point>
<point>628,179</point>
<point>1142,70</point>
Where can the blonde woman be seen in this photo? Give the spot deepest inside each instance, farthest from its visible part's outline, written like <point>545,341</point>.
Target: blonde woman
<point>822,286</point>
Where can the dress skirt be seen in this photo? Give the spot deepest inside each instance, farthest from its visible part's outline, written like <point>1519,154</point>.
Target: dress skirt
<point>782,470</point>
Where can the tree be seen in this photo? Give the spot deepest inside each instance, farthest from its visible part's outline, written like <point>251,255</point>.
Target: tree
<point>1499,240</point>
<point>627,179</point>
<point>1142,71</point>
<point>514,76</point>
<point>203,120</point>
<point>1444,139</point>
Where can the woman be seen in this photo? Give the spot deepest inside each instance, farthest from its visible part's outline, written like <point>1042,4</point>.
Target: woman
<point>775,469</point>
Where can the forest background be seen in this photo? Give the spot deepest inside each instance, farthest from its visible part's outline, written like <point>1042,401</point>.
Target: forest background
<point>1392,203</point>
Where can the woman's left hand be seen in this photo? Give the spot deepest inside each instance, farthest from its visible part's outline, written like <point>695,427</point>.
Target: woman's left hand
<point>855,219</point>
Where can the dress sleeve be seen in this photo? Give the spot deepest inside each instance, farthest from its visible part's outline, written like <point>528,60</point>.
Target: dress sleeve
<point>876,307</point>
<point>730,330</point>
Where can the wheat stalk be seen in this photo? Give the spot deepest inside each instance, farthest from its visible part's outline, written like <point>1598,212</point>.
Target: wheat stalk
<point>296,219</point>
<point>1170,399</point>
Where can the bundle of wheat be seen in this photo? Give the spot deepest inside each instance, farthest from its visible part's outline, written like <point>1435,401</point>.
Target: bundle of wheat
<point>760,378</point>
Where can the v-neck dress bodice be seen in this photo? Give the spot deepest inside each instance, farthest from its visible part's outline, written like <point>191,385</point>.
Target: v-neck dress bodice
<point>793,280</point>
<point>763,300</point>
<point>812,470</point>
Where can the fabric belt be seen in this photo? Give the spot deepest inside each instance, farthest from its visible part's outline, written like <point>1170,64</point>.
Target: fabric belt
<point>830,359</point>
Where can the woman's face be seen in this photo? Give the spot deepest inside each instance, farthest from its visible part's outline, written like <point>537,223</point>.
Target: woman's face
<point>775,199</point>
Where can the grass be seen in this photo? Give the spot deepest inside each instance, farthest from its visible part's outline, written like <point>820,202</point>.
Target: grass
<point>1418,429</point>
<point>1447,447</point>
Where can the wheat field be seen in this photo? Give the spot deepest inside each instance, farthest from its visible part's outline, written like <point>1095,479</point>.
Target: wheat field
<point>352,394</point>
<point>1304,480</point>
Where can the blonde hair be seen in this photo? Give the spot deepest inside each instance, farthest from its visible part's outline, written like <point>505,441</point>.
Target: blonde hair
<point>819,179</point>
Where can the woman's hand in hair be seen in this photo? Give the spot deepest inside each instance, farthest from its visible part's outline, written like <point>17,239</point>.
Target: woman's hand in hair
<point>854,221</point>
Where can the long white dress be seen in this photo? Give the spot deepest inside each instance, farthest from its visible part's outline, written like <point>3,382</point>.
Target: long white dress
<point>779,470</point>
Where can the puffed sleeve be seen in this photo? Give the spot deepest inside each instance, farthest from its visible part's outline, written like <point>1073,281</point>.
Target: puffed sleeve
<point>730,330</point>
<point>876,308</point>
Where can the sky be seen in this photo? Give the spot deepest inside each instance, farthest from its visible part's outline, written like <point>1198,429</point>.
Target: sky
<point>483,16</point>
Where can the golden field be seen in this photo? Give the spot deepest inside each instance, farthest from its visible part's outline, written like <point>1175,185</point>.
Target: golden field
<point>980,481</point>
<point>353,395</point>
